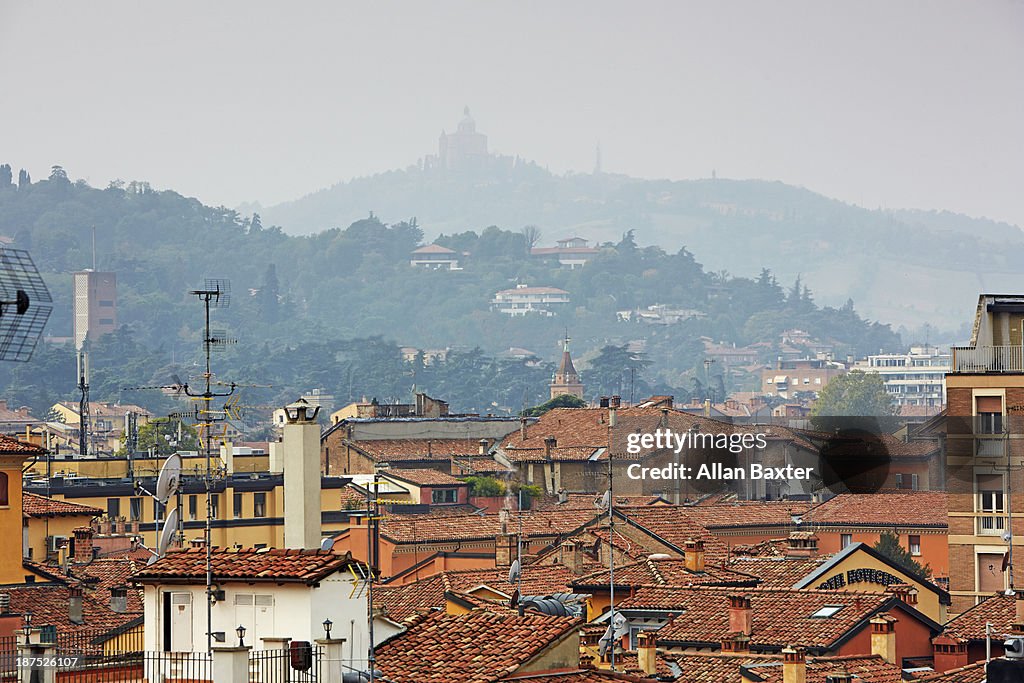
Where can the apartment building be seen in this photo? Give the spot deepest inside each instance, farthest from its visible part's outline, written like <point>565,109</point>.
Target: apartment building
<point>916,378</point>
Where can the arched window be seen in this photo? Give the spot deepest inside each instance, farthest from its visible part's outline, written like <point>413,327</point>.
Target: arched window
<point>3,489</point>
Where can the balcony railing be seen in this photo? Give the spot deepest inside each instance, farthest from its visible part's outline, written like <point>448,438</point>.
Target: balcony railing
<point>971,359</point>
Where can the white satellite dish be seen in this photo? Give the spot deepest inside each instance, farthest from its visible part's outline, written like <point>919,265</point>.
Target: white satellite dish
<point>514,571</point>
<point>604,501</point>
<point>167,535</point>
<point>169,480</point>
<point>326,543</point>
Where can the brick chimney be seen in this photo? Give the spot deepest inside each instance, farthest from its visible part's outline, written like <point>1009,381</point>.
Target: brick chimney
<point>693,555</point>
<point>646,652</point>
<point>736,643</point>
<point>83,544</point>
<point>504,549</point>
<point>75,615</point>
<point>572,557</point>
<point>802,544</point>
<point>741,616</point>
<point>587,662</point>
<point>550,443</point>
<point>948,653</point>
<point>904,591</point>
<point>883,637</point>
<point>794,665</point>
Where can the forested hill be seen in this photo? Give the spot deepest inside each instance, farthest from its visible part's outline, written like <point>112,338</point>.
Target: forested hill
<point>330,309</point>
<point>906,267</point>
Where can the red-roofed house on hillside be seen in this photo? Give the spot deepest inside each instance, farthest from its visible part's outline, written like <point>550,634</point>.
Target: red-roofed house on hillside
<point>435,257</point>
<point>273,593</point>
<point>572,252</point>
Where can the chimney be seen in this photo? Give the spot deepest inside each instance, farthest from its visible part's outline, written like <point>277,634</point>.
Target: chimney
<point>83,544</point>
<point>693,555</point>
<point>504,549</point>
<point>275,453</point>
<point>75,605</point>
<point>587,662</point>
<point>301,445</point>
<point>483,443</point>
<point>802,544</point>
<point>572,557</point>
<point>549,443</point>
<point>948,653</point>
<point>646,652</point>
<point>839,677</point>
<point>736,643</point>
<point>664,418</point>
<point>118,599</point>
<point>883,637</point>
<point>522,428</point>
<point>563,496</point>
<point>198,542</point>
<point>794,665</point>
<point>741,616</point>
<point>905,592</point>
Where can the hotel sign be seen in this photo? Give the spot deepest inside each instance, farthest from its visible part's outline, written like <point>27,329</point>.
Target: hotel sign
<point>863,575</point>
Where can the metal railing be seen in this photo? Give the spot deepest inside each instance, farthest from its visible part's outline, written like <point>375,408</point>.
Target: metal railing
<point>278,666</point>
<point>972,359</point>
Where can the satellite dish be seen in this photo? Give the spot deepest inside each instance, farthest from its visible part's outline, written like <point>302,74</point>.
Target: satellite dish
<point>620,624</point>
<point>169,481</point>
<point>167,535</point>
<point>326,543</point>
<point>605,641</point>
<point>25,305</point>
<point>604,501</point>
<point>1007,536</point>
<point>514,600</point>
<point>514,571</point>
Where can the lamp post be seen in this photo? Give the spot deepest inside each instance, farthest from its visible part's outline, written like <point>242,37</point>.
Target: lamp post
<point>241,635</point>
<point>327,627</point>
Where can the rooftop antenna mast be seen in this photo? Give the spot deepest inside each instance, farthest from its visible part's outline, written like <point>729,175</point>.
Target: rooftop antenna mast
<point>215,294</point>
<point>83,403</point>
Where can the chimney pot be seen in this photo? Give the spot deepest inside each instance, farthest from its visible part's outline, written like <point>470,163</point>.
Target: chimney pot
<point>75,615</point>
<point>794,665</point>
<point>647,652</point>
<point>741,615</point>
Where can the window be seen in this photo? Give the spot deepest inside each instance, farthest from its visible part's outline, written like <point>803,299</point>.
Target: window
<point>899,480</point>
<point>259,505</point>
<point>135,510</point>
<point>237,505</point>
<point>915,482</point>
<point>440,496</point>
<point>826,612</point>
<point>4,496</point>
<point>113,508</point>
<point>106,303</point>
<point>106,321</point>
<point>914,542</point>
<point>990,503</point>
<point>989,411</point>
<point>845,540</point>
<point>193,504</point>
<point>215,505</point>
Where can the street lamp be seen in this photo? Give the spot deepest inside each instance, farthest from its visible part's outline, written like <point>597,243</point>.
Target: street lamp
<point>327,627</point>
<point>27,629</point>
<point>241,634</point>
<point>301,411</point>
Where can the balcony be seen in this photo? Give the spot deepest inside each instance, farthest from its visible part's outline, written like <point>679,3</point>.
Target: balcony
<point>980,359</point>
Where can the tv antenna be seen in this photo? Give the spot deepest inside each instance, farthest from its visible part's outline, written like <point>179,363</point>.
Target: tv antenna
<point>83,403</point>
<point>25,305</point>
<point>168,483</point>
<point>216,293</point>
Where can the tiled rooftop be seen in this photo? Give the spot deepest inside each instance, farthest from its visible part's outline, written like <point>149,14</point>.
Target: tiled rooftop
<point>35,505</point>
<point>11,446</point>
<point>780,617</point>
<point>908,508</point>
<point>306,566</point>
<point>477,647</point>
<point>429,528</point>
<point>865,669</point>
<point>972,673</point>
<point>424,477</point>
<point>48,604</point>
<point>777,571</point>
<point>970,625</point>
<point>666,572</point>
<point>398,450</point>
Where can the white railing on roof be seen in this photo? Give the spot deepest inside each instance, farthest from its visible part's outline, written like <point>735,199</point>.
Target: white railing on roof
<point>988,359</point>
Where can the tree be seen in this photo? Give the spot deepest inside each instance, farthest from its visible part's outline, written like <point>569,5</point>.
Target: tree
<point>889,545</point>
<point>563,401</point>
<point>167,436</point>
<point>270,295</point>
<point>24,179</point>
<point>532,235</point>
<point>6,176</point>
<point>855,394</point>
<point>485,487</point>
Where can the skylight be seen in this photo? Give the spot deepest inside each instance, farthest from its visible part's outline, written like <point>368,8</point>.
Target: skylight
<point>826,611</point>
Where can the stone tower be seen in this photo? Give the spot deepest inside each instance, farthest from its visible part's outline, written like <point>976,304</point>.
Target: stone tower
<point>567,380</point>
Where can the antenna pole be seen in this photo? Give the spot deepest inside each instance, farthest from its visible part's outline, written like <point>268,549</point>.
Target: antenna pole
<point>83,403</point>
<point>611,551</point>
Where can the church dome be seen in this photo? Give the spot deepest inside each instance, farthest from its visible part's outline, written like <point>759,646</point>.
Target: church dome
<point>467,124</point>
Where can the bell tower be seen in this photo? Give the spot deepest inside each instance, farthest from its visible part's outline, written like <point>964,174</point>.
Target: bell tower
<point>567,380</point>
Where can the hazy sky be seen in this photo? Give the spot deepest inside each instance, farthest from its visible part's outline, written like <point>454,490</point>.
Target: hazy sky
<point>880,103</point>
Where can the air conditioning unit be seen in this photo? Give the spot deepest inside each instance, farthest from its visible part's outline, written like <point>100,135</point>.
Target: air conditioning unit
<point>55,543</point>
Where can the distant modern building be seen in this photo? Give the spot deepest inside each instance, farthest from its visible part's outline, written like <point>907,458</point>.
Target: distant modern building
<point>524,300</point>
<point>917,378</point>
<point>659,314</point>
<point>435,257</point>
<point>95,305</point>
<point>789,377</point>
<point>566,380</point>
<point>572,252</point>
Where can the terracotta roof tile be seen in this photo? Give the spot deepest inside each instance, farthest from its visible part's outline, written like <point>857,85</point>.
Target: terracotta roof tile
<point>865,668</point>
<point>12,446</point>
<point>777,571</point>
<point>426,528</point>
<point>48,604</point>
<point>906,508</point>
<point>476,647</point>
<point>35,505</point>
<point>666,572</point>
<point>306,566</point>
<point>972,673</point>
<point>424,477</point>
<point>398,450</point>
<point>780,617</point>
<point>582,676</point>
<point>970,625</point>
